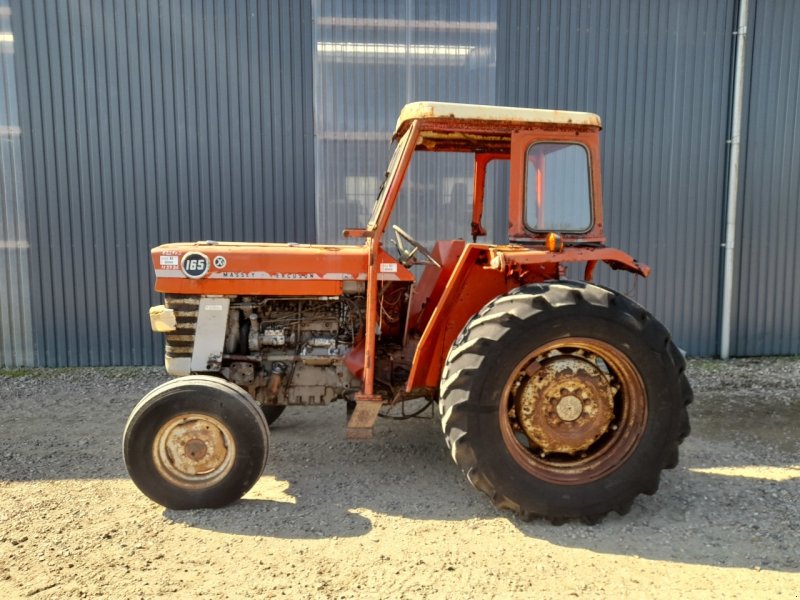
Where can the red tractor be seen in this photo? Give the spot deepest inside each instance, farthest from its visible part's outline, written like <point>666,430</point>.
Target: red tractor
<point>558,397</point>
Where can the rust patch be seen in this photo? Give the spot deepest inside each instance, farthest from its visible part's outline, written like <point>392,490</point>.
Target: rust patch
<point>565,405</point>
<point>194,450</point>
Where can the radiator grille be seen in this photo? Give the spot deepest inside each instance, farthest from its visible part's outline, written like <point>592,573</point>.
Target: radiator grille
<point>179,343</point>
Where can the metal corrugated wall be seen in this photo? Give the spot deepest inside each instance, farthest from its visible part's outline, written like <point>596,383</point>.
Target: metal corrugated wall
<point>767,308</point>
<point>147,121</point>
<point>152,121</point>
<point>658,73</point>
<point>16,335</point>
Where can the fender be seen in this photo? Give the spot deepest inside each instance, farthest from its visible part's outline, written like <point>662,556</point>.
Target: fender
<point>471,285</point>
<point>515,258</point>
<point>484,272</point>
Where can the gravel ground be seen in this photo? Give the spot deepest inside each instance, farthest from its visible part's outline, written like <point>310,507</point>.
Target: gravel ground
<point>392,517</point>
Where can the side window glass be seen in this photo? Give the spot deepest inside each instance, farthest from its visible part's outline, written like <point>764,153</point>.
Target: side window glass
<point>557,188</point>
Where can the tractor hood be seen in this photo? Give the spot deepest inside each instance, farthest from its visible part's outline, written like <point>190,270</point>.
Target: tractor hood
<point>225,268</point>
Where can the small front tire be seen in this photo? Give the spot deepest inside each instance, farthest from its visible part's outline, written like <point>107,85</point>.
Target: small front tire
<point>196,442</point>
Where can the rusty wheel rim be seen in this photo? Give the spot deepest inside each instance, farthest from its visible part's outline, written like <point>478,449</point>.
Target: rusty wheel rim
<point>573,410</point>
<point>194,450</point>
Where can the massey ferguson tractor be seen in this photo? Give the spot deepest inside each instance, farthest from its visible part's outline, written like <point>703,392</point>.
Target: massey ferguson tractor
<point>558,397</point>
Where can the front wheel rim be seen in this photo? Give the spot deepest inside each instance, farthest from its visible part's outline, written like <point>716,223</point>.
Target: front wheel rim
<point>573,410</point>
<point>194,450</point>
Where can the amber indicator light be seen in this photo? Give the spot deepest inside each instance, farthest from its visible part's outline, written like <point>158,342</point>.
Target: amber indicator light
<point>553,242</point>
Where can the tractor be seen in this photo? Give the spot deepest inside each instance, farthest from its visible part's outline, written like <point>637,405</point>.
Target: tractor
<point>559,398</point>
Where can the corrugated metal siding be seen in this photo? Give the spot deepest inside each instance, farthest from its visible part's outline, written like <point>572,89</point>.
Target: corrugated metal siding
<point>158,120</point>
<point>767,313</point>
<point>152,121</point>
<point>658,73</point>
<point>369,60</point>
<point>16,334</point>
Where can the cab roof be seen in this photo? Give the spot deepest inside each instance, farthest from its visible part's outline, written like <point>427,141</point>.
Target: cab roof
<point>468,127</point>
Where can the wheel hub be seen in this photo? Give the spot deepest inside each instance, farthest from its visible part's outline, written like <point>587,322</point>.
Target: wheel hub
<point>565,405</point>
<point>194,449</point>
<point>569,408</point>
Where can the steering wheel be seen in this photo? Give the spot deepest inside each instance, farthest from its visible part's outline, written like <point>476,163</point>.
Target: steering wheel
<point>408,256</point>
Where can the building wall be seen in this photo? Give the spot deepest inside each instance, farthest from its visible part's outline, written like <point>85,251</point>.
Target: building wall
<point>370,59</point>
<point>767,306</point>
<point>16,333</point>
<point>125,124</point>
<point>658,73</point>
<point>150,121</point>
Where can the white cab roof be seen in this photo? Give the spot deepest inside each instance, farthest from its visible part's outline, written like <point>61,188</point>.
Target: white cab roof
<point>482,112</point>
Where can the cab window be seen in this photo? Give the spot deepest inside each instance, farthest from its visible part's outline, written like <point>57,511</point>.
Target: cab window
<point>557,188</point>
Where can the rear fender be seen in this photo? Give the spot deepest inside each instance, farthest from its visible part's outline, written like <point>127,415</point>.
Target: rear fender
<point>472,284</point>
<point>511,259</point>
<point>483,273</point>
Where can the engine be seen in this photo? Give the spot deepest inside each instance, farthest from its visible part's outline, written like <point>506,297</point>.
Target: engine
<point>282,350</point>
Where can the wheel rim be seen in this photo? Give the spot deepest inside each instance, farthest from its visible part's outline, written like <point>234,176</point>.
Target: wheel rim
<point>573,410</point>
<point>194,450</point>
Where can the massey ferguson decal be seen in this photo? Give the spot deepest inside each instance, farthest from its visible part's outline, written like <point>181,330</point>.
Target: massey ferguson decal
<point>195,265</point>
<point>263,275</point>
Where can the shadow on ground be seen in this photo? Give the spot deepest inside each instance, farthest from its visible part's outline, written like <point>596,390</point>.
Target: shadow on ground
<point>407,473</point>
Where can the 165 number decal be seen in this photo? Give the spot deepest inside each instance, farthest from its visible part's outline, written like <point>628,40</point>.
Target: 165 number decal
<point>194,265</point>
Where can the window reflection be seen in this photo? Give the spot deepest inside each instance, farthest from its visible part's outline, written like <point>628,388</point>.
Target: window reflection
<point>557,188</point>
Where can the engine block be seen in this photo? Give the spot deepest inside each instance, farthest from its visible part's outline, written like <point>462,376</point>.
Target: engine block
<point>282,350</point>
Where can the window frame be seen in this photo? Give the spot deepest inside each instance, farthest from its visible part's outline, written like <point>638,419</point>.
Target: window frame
<point>524,136</point>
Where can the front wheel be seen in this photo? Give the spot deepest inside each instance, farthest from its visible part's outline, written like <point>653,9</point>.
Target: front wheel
<point>196,442</point>
<point>564,400</point>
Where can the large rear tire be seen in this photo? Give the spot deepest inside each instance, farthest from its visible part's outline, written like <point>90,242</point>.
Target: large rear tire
<point>564,400</point>
<point>196,442</point>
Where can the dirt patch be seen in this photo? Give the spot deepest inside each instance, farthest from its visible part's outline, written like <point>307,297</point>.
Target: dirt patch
<point>392,517</point>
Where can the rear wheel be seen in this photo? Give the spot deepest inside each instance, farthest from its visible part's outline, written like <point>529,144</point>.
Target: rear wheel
<point>564,400</point>
<point>196,442</point>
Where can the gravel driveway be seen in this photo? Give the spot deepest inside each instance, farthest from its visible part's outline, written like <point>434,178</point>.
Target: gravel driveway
<point>390,518</point>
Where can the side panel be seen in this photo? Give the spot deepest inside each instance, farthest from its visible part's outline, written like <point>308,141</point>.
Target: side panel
<point>471,286</point>
<point>267,269</point>
<point>209,337</point>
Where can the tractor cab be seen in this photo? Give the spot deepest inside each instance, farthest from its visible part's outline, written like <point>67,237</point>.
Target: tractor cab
<point>555,184</point>
<point>555,193</point>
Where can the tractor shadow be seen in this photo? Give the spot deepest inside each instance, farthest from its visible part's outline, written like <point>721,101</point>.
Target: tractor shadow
<point>321,486</point>
<point>276,519</point>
